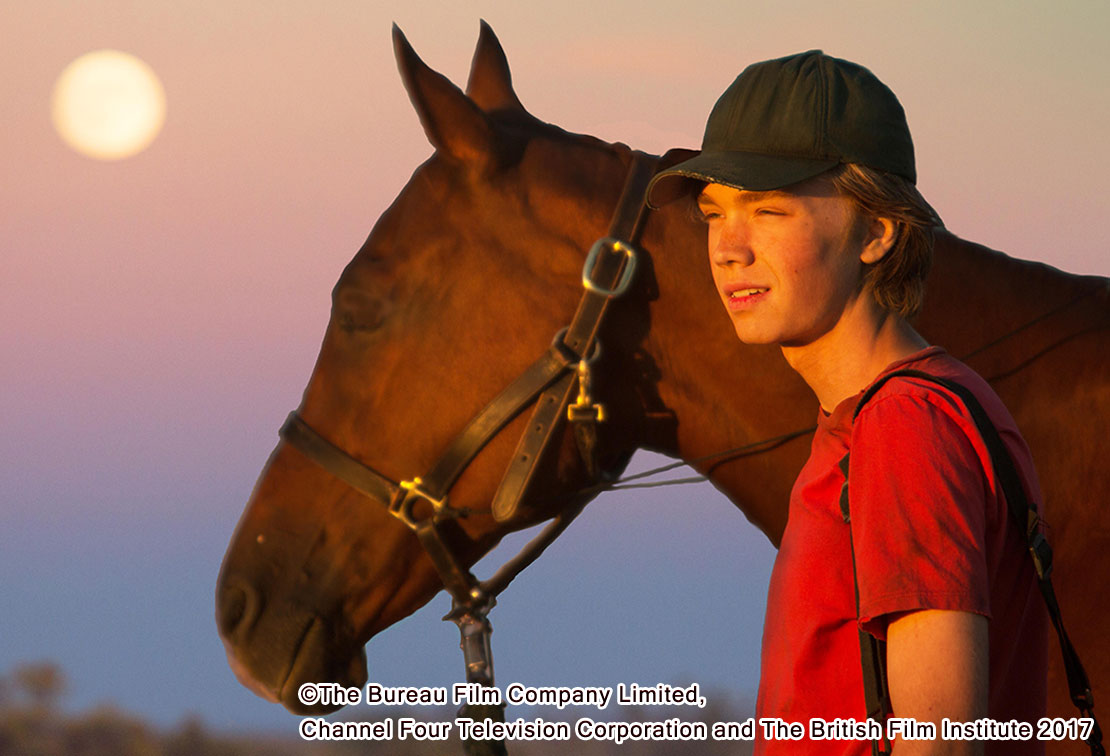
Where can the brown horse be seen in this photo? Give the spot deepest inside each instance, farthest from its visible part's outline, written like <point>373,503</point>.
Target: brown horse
<point>464,281</point>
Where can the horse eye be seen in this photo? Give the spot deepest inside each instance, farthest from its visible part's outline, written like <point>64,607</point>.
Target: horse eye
<point>358,312</point>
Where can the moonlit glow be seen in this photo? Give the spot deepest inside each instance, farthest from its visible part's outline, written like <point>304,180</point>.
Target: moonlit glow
<point>108,105</point>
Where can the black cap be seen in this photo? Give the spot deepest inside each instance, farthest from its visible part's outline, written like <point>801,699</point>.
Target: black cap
<point>786,120</point>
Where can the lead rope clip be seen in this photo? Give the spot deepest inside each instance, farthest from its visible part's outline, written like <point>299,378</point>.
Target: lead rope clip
<point>584,409</point>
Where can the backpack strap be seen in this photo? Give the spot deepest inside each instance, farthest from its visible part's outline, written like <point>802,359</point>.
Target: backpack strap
<point>1024,515</point>
<point>872,651</point>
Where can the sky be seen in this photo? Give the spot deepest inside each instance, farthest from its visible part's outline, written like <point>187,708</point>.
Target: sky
<point>160,315</point>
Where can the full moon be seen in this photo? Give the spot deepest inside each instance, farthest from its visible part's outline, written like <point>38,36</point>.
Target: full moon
<point>108,105</point>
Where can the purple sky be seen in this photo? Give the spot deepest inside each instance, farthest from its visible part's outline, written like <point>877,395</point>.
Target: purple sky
<point>160,315</point>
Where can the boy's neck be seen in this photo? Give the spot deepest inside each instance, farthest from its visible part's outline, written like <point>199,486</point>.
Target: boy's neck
<point>846,360</point>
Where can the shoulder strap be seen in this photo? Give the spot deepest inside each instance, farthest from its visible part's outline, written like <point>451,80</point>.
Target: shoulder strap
<point>872,651</point>
<point>1024,515</point>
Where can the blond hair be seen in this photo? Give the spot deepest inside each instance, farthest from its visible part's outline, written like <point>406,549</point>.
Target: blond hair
<point>897,281</point>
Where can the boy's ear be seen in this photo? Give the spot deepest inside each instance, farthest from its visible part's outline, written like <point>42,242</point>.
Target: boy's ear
<point>879,240</point>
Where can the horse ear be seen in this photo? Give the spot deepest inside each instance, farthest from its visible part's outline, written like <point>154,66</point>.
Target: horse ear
<point>455,126</point>
<point>490,84</point>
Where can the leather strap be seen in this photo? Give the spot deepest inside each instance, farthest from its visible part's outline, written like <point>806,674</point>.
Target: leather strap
<point>627,225</point>
<point>1024,515</point>
<point>355,474</point>
<point>554,363</point>
<point>872,651</point>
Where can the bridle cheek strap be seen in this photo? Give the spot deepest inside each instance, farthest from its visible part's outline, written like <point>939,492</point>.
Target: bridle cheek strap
<point>607,274</point>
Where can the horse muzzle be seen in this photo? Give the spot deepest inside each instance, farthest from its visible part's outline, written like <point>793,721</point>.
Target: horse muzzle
<point>274,651</point>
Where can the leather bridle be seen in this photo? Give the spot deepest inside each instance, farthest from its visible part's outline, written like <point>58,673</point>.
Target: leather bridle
<point>548,384</point>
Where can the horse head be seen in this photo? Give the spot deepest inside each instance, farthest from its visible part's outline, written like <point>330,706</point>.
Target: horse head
<point>462,283</point>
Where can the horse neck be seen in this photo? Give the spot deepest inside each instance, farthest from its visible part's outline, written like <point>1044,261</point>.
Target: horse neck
<point>996,311</point>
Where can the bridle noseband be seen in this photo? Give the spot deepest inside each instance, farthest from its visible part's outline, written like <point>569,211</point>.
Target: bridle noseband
<point>549,384</point>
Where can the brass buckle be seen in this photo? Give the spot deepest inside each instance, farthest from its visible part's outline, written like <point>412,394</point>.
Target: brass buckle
<point>401,506</point>
<point>584,408</point>
<point>613,246</point>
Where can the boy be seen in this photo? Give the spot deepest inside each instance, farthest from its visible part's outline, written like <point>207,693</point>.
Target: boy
<point>819,241</point>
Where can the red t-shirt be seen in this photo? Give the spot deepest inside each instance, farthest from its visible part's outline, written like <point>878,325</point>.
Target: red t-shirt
<point>931,531</point>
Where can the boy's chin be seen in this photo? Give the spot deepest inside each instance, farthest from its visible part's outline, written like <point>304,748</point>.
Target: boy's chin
<point>753,337</point>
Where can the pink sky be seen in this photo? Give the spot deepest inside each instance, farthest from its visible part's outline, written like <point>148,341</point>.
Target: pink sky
<point>161,314</point>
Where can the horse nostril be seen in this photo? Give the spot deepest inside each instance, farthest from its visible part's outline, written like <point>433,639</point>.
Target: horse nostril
<point>233,608</point>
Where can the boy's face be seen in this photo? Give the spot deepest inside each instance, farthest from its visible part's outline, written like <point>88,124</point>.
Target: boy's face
<point>786,262</point>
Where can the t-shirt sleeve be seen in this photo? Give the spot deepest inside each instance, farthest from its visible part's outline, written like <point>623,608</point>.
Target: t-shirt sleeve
<point>918,493</point>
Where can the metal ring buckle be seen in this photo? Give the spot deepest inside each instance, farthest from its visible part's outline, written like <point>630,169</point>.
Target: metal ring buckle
<point>572,357</point>
<point>401,507</point>
<point>615,246</point>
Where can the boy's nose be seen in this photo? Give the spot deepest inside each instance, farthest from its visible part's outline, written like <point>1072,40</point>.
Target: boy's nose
<point>733,246</point>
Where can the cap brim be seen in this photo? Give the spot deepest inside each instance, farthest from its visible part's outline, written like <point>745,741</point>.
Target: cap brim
<point>741,170</point>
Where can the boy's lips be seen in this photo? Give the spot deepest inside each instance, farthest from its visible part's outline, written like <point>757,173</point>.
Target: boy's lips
<point>742,295</point>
